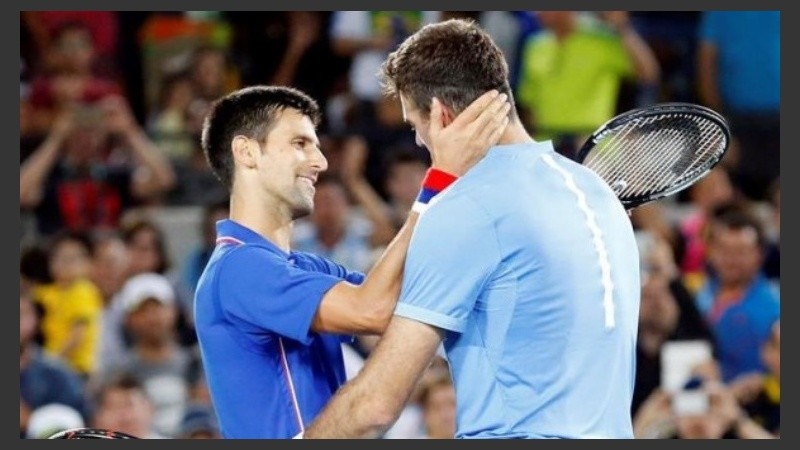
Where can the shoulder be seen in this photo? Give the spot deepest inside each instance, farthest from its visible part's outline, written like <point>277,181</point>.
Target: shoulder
<point>456,208</point>
<point>244,254</point>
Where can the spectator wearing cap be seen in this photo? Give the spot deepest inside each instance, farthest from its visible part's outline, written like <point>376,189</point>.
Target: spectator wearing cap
<point>155,359</point>
<point>50,419</point>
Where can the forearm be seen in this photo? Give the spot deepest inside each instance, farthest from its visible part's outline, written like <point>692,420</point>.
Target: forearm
<point>34,170</point>
<point>368,405</point>
<point>374,208</point>
<point>644,61</point>
<point>353,413</point>
<point>287,68</point>
<point>146,154</point>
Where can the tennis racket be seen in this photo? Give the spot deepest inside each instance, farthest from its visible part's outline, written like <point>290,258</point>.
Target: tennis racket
<point>90,433</point>
<point>649,153</point>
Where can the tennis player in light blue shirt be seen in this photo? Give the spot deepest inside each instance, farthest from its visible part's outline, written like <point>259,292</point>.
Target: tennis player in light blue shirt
<point>526,268</point>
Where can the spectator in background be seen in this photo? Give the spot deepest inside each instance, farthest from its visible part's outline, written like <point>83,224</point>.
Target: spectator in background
<point>72,181</point>
<point>208,73</point>
<point>405,169</point>
<point>738,72</point>
<point>110,261</point>
<point>71,79</point>
<point>155,359</point>
<point>438,401</point>
<point>667,313</point>
<point>110,267</point>
<point>72,304</point>
<point>707,194</point>
<point>169,127</point>
<point>737,301</point>
<point>724,419</point>
<point>103,27</point>
<point>43,380</point>
<point>197,259</point>
<point>122,405</point>
<point>146,253</point>
<point>334,230</point>
<point>146,246</point>
<point>572,71</point>
<point>380,133</point>
<point>287,48</point>
<point>368,37</point>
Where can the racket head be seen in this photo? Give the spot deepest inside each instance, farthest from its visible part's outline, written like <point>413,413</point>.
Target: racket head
<point>90,433</point>
<point>649,153</point>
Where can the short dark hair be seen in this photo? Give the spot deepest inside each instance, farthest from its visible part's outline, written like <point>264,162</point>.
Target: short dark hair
<point>454,61</point>
<point>250,112</point>
<point>122,381</point>
<point>135,226</point>
<point>78,237</point>
<point>737,216</point>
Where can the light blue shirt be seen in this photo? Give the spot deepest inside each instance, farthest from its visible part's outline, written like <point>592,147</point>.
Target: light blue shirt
<point>530,265</point>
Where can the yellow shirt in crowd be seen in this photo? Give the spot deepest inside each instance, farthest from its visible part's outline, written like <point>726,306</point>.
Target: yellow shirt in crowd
<point>64,307</point>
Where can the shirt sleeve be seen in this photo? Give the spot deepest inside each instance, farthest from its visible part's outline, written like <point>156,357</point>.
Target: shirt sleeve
<point>264,292</point>
<point>452,255</point>
<point>325,265</point>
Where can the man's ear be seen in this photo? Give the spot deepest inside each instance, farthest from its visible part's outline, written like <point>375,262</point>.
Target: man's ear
<point>245,151</point>
<point>448,116</point>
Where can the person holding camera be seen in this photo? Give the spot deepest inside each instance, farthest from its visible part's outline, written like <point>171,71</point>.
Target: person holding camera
<point>77,179</point>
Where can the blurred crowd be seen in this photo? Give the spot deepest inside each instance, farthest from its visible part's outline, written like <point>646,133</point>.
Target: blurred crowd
<point>111,108</point>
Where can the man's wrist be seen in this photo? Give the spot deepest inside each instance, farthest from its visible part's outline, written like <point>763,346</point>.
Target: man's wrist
<point>435,181</point>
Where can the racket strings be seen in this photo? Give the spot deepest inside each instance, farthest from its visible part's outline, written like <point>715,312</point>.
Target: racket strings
<point>654,154</point>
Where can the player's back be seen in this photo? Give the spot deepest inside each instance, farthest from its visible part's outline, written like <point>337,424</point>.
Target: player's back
<point>552,337</point>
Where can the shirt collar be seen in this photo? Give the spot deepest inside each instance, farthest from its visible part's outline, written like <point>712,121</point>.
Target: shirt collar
<point>231,232</point>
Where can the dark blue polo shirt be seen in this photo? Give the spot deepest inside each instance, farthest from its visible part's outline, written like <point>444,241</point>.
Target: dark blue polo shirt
<point>269,374</point>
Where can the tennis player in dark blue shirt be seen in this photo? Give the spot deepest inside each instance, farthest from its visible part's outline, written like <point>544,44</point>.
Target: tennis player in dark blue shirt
<point>270,320</point>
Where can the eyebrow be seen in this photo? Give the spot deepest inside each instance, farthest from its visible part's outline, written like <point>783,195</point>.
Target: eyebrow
<point>308,138</point>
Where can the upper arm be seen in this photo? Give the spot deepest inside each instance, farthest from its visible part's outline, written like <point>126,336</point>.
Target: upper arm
<point>264,292</point>
<point>343,308</point>
<point>453,252</point>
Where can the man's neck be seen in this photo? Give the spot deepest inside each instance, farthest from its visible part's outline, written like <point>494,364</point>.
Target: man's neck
<point>515,134</point>
<point>272,223</point>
